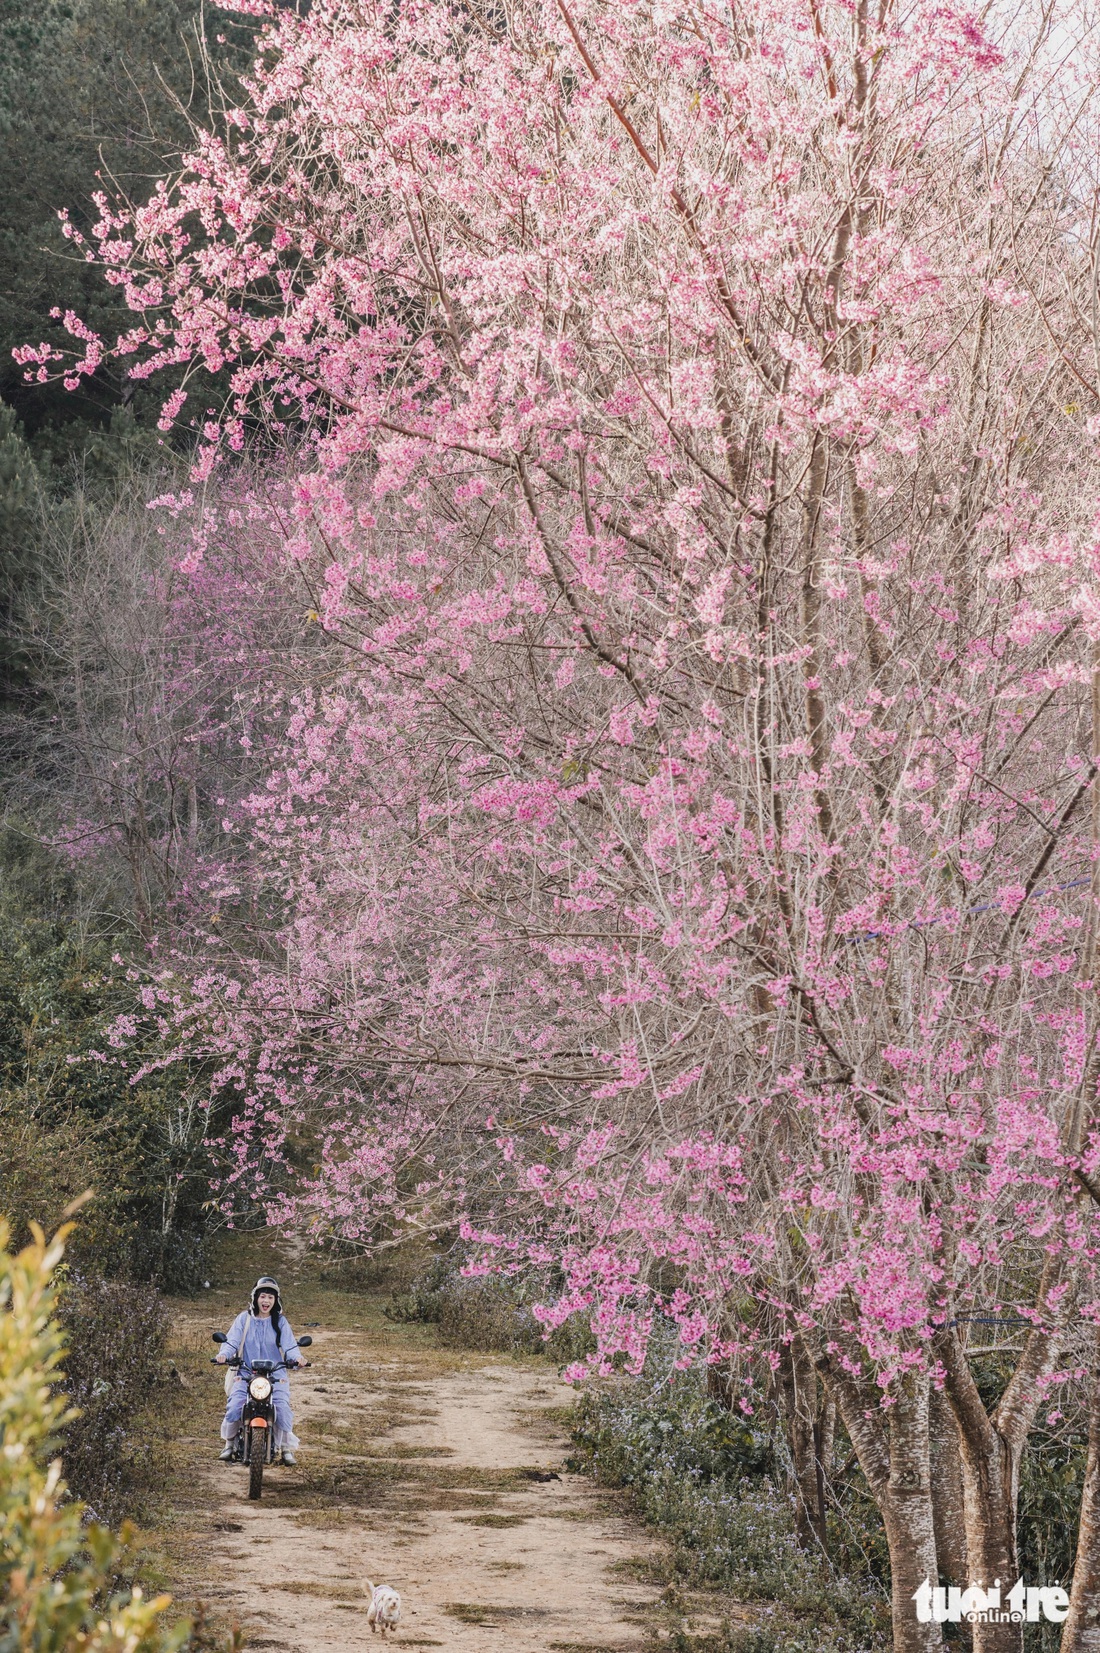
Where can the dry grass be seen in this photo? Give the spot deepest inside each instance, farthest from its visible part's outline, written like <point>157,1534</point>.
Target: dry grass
<point>581,1647</point>
<point>655,1569</point>
<point>326,1520</point>
<point>494,1520</point>
<point>399,1452</point>
<point>449,1499</point>
<point>473,1612</point>
<point>325,1592</point>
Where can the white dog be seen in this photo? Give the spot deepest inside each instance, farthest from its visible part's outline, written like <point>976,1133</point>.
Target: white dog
<point>385,1607</point>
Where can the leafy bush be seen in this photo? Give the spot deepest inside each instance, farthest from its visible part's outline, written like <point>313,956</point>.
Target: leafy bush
<point>627,1438</point>
<point>490,1313</point>
<point>486,1314</point>
<point>700,1475</point>
<point>706,1479</point>
<point>791,1636</point>
<point>116,1333</point>
<point>1052,1475</point>
<point>58,1574</point>
<point>70,1118</point>
<point>422,1299</point>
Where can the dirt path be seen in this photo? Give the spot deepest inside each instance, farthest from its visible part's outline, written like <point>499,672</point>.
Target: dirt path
<point>412,1472</point>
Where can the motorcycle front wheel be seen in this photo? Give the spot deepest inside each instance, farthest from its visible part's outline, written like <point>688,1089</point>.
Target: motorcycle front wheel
<point>256,1471</point>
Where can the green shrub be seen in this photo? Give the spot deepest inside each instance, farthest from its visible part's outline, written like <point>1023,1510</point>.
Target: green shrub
<point>115,1332</point>
<point>58,1574</point>
<point>480,1312</point>
<point>708,1480</point>
<point>70,1116</point>
<point>699,1475</point>
<point>628,1437</point>
<point>422,1299</point>
<point>487,1312</point>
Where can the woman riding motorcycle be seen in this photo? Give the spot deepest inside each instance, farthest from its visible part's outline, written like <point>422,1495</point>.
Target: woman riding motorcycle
<point>261,1333</point>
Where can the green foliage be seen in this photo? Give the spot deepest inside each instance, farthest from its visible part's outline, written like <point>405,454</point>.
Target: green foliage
<point>70,1117</point>
<point>487,1313</point>
<point>20,523</point>
<point>422,1299</point>
<point>787,1635</point>
<point>94,94</point>
<point>57,1574</point>
<point>628,1439</point>
<point>20,490</point>
<point>700,1476</point>
<point>484,1314</point>
<point>116,1332</point>
<point>1052,1476</point>
<point>706,1479</point>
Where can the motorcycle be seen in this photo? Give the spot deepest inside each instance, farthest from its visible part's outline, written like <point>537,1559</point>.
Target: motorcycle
<point>255,1443</point>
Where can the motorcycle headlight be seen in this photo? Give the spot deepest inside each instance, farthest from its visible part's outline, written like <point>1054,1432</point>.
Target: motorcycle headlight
<point>259,1388</point>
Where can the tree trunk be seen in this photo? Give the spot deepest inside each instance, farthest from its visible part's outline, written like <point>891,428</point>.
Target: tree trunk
<point>907,1515</point>
<point>948,1511</point>
<point>1081,1631</point>
<point>990,1464</point>
<point>991,1448</point>
<point>797,1386</point>
<point>895,1460</point>
<point>989,1502</point>
<point>824,1441</point>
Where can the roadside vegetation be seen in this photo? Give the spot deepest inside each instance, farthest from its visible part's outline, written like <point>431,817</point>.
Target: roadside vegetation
<point>66,1583</point>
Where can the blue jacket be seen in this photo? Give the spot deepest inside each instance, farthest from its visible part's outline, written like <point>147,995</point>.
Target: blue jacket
<point>254,1339</point>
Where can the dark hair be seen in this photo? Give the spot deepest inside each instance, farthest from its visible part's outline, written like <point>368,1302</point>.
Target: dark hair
<point>276,1310</point>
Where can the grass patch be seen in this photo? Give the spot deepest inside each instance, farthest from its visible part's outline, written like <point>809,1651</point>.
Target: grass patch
<point>398,1452</point>
<point>581,1647</point>
<point>456,1499</point>
<point>656,1570</point>
<point>327,1519</point>
<point>324,1592</point>
<point>563,1417</point>
<point>466,1478</point>
<point>492,1520</point>
<point>472,1612</point>
<point>713,1486</point>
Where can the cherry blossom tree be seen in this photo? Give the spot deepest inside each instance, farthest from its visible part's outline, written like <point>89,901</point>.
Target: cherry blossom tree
<point>154,681</point>
<point>690,876</point>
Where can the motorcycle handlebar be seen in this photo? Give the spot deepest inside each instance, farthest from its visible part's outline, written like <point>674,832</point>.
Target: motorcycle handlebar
<point>285,1365</point>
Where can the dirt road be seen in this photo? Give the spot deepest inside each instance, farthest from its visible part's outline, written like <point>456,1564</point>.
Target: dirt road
<point>416,1471</point>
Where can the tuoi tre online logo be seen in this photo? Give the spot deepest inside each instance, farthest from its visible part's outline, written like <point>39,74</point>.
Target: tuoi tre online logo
<point>1024,1604</point>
